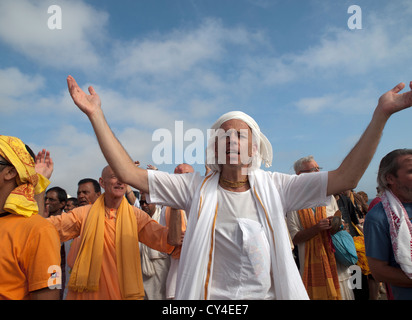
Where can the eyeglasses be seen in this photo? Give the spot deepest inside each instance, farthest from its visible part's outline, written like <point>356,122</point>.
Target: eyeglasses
<point>315,169</point>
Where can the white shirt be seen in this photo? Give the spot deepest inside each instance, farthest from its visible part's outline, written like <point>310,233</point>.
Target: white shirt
<point>241,268</point>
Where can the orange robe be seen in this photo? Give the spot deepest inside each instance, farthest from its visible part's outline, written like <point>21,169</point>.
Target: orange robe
<point>29,246</point>
<point>70,225</point>
<point>176,253</point>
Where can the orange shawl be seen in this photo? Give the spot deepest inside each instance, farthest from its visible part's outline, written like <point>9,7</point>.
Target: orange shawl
<point>320,275</point>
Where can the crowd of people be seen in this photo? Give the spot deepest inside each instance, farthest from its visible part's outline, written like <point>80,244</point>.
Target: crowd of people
<point>235,232</point>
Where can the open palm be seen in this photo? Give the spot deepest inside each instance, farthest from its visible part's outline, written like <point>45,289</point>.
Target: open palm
<point>87,103</point>
<point>393,101</point>
<point>44,164</point>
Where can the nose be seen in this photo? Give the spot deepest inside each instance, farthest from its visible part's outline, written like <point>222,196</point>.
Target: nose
<point>232,135</point>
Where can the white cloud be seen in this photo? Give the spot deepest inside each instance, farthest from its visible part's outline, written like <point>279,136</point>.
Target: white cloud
<point>171,55</point>
<point>14,83</point>
<point>24,26</point>
<point>17,90</point>
<point>360,102</point>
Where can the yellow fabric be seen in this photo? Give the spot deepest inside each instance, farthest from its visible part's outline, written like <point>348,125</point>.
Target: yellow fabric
<point>361,251</point>
<point>320,275</point>
<point>29,183</point>
<point>86,270</point>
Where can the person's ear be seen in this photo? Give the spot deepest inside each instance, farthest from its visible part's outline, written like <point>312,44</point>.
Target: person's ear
<point>10,173</point>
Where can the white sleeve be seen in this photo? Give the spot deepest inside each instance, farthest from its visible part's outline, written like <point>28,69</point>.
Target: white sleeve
<point>173,190</point>
<point>293,223</point>
<point>302,191</point>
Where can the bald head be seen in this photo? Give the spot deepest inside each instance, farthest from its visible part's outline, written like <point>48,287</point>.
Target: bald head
<point>184,168</point>
<point>107,170</point>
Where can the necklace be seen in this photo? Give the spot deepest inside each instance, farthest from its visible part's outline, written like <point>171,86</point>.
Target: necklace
<point>232,184</point>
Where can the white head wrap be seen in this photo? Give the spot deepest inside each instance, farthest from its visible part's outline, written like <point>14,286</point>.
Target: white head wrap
<point>264,153</point>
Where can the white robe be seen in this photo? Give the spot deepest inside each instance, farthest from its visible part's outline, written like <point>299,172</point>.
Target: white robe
<point>274,194</point>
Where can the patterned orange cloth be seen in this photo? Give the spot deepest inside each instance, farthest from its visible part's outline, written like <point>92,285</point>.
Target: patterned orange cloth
<point>320,275</point>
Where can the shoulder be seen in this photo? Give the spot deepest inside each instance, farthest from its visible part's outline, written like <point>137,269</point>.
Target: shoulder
<point>162,177</point>
<point>33,223</point>
<point>284,178</point>
<point>376,220</point>
<point>36,227</point>
<point>376,214</point>
<point>141,216</point>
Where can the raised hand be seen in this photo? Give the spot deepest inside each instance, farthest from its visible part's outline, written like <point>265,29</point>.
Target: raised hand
<point>44,164</point>
<point>393,101</point>
<point>87,103</point>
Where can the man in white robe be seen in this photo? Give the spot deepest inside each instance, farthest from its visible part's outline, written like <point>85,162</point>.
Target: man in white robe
<point>218,230</point>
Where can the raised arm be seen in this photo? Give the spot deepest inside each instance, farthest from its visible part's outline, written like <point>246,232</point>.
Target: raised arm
<point>357,161</point>
<point>117,157</point>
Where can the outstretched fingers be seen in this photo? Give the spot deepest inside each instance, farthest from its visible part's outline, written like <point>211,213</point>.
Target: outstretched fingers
<point>398,88</point>
<point>92,91</point>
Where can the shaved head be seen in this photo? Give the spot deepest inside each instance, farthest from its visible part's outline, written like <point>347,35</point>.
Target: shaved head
<point>184,168</point>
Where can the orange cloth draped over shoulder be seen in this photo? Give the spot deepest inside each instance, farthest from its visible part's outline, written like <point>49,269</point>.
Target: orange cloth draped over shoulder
<point>320,276</point>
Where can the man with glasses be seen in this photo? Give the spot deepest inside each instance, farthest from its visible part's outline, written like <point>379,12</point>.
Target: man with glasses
<point>30,253</point>
<point>309,229</point>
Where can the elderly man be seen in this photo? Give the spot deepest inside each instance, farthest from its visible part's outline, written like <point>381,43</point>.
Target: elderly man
<point>108,266</point>
<point>387,227</point>
<point>323,276</point>
<point>237,244</point>
<point>30,246</point>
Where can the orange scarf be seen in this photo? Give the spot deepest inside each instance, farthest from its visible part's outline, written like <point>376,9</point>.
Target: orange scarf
<point>320,275</point>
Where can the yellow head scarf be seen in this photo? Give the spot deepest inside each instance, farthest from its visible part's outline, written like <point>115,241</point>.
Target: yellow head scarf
<point>21,200</point>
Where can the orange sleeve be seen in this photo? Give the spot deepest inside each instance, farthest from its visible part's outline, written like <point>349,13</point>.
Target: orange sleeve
<point>151,233</point>
<point>42,258</point>
<point>69,224</point>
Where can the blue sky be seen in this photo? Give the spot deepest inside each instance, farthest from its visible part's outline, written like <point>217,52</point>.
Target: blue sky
<point>309,80</point>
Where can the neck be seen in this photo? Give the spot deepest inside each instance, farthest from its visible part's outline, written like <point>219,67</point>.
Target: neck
<point>112,202</point>
<point>234,180</point>
<point>4,194</point>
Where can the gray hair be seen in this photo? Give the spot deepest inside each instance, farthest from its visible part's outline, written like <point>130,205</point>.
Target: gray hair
<point>390,165</point>
<point>297,166</point>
